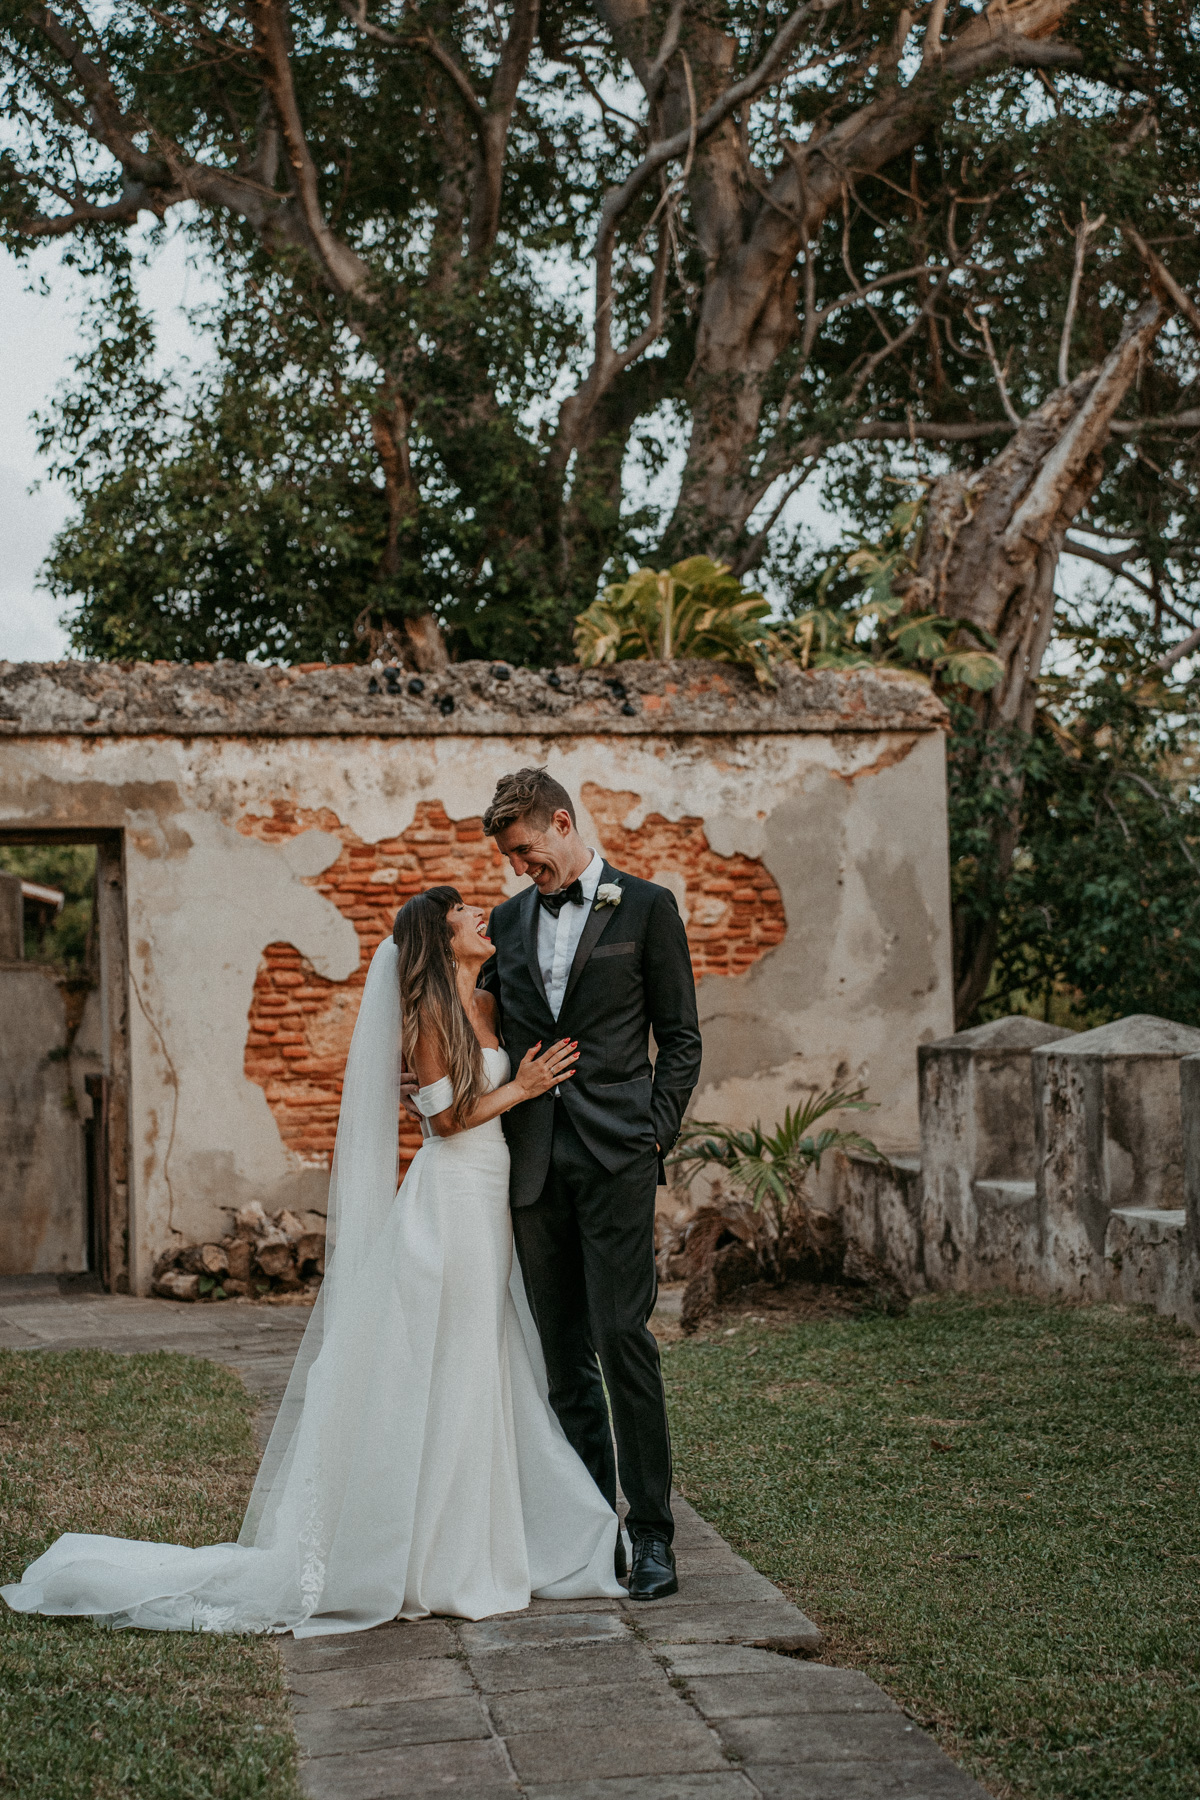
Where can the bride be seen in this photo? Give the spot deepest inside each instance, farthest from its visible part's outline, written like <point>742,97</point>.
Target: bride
<point>416,1466</point>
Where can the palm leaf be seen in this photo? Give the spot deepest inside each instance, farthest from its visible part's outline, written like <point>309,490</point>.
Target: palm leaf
<point>773,1163</point>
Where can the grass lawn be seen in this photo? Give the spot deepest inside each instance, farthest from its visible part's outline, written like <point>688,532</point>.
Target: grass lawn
<point>992,1506</point>
<point>136,1446</point>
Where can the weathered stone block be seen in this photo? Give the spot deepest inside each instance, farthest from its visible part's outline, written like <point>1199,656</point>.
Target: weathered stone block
<point>977,1125</point>
<point>1143,1247</point>
<point>647,1743</point>
<point>388,1724</point>
<point>1109,1137</point>
<point>880,1208</point>
<point>1007,1235</point>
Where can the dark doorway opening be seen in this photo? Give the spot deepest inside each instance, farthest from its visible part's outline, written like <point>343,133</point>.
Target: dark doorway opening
<point>64,1064</point>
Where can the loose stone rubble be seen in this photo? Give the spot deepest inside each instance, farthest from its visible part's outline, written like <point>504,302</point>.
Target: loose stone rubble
<point>264,1255</point>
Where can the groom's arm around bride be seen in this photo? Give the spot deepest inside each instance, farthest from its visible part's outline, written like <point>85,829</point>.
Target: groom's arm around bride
<point>594,952</point>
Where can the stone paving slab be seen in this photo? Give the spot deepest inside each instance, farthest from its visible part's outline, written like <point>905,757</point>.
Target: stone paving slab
<point>551,1668</point>
<point>863,1781</point>
<point>774,1625</point>
<point>825,1737</point>
<point>424,1678</point>
<point>780,1691</point>
<point>342,1729</point>
<point>637,1702</point>
<point>364,1649</point>
<point>624,1746</point>
<point>710,1695</point>
<point>729,1785</point>
<point>475,1770</point>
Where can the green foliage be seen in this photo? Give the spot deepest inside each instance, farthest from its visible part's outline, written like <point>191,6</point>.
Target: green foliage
<point>72,869</point>
<point>254,530</point>
<point>769,1170</point>
<point>840,632</point>
<point>243,506</point>
<point>770,1167</point>
<point>991,1507</point>
<point>1100,913</point>
<point>1103,904</point>
<point>696,608</point>
<point>155,1447</point>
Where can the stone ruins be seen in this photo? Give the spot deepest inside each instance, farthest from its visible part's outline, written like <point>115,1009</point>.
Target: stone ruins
<point>257,828</point>
<point>1052,1162</point>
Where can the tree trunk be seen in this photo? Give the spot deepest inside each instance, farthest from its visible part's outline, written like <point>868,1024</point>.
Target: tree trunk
<point>754,232</point>
<point>990,548</point>
<point>425,648</point>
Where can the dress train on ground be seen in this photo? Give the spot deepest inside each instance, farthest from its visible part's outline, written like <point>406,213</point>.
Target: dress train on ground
<point>422,1470</point>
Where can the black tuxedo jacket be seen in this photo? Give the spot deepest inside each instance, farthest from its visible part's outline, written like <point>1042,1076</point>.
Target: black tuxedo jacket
<point>631,975</point>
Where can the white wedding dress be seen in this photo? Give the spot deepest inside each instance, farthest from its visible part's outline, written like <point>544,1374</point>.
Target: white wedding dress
<point>416,1466</point>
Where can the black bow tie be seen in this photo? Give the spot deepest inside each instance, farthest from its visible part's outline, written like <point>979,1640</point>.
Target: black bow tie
<point>554,903</point>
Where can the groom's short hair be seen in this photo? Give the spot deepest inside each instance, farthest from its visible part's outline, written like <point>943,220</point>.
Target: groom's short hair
<point>531,794</point>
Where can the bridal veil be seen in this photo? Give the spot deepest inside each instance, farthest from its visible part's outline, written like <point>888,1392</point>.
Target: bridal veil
<point>415,1464</point>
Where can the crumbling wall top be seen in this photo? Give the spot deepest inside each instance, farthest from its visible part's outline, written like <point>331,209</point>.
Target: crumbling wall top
<point>233,699</point>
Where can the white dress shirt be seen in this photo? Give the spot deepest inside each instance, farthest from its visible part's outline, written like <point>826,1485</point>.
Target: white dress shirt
<point>558,939</point>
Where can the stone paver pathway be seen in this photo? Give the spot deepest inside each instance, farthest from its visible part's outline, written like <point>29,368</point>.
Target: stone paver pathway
<point>711,1695</point>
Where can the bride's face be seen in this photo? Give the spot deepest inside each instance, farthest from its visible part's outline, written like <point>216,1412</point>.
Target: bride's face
<point>469,940</point>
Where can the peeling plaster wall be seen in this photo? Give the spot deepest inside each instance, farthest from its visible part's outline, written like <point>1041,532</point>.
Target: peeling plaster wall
<point>848,827</point>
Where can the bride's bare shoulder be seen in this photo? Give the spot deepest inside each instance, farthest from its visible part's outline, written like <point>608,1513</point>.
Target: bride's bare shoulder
<point>488,1011</point>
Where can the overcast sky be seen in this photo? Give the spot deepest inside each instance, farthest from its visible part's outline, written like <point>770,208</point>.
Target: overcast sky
<point>39,343</point>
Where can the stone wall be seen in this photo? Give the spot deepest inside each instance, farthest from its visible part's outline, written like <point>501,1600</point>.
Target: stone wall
<point>272,821</point>
<point>1052,1162</point>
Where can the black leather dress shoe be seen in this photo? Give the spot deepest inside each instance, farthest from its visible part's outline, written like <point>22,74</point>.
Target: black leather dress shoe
<point>654,1574</point>
<point>620,1560</point>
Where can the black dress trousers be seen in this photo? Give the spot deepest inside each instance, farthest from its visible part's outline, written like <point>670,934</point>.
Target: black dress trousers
<point>586,1247</point>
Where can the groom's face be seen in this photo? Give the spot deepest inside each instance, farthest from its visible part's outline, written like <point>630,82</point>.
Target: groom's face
<point>545,853</point>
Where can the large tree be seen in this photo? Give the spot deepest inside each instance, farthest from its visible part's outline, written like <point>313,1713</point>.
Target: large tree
<point>494,279</point>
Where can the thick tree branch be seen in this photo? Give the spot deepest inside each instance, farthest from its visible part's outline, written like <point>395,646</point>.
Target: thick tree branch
<point>135,198</point>
<point>605,364</point>
<point>1164,279</point>
<point>495,125</point>
<point>670,149</point>
<point>1087,430</point>
<point>109,123</point>
<point>157,183</point>
<point>346,271</point>
<point>1177,652</point>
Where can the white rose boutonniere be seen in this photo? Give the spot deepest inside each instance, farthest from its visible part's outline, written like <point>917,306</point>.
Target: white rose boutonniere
<point>608,894</point>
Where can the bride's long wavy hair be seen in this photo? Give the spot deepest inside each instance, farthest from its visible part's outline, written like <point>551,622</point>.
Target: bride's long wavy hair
<point>429,993</point>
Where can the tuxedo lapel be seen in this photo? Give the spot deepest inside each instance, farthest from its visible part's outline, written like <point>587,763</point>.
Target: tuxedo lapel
<point>597,919</point>
<point>530,928</point>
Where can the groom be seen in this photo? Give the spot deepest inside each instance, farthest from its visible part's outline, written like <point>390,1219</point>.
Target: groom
<point>594,954</point>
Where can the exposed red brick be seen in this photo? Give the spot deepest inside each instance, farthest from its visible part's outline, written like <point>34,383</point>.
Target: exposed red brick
<point>748,917</point>
<point>300,1023</point>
